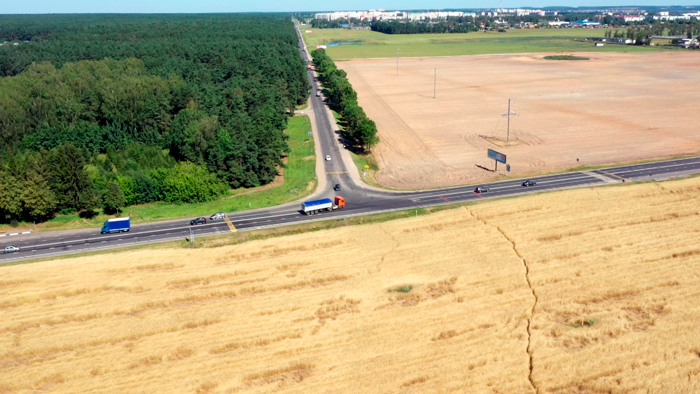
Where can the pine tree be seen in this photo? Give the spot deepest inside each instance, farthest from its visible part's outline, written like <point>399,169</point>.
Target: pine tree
<point>10,203</point>
<point>37,197</point>
<point>113,199</point>
<point>70,180</point>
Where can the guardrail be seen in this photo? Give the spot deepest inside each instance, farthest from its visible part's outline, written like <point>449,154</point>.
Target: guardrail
<point>17,233</point>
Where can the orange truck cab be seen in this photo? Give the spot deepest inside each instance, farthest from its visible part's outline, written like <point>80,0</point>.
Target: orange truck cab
<point>340,202</point>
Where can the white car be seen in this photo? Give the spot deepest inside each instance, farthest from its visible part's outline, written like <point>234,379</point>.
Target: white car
<point>328,157</point>
<point>216,216</point>
<point>11,249</point>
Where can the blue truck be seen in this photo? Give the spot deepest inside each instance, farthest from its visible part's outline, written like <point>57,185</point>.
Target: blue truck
<point>117,225</point>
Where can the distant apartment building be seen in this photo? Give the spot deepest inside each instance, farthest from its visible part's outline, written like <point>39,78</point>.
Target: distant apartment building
<point>414,16</point>
<point>633,18</point>
<point>522,12</point>
<point>428,15</point>
<point>665,16</point>
<point>361,15</point>
<point>391,15</point>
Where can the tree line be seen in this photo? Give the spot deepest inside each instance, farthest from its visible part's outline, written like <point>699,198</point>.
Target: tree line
<point>175,108</point>
<point>642,34</point>
<point>35,185</point>
<point>360,131</point>
<point>425,27</point>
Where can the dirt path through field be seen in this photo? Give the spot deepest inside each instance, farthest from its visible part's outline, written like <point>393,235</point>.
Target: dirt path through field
<point>615,107</point>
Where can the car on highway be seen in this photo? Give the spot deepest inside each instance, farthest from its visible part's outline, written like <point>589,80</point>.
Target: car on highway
<point>328,157</point>
<point>201,220</point>
<point>482,189</point>
<point>217,216</point>
<point>336,187</point>
<point>529,183</point>
<point>11,249</point>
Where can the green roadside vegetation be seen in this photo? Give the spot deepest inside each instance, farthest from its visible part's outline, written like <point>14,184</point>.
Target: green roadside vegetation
<point>566,57</point>
<point>298,180</point>
<point>378,45</point>
<point>368,167</point>
<point>359,131</point>
<point>364,161</point>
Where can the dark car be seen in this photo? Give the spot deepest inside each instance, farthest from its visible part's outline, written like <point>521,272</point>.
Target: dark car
<point>336,187</point>
<point>201,220</point>
<point>482,189</point>
<point>529,183</point>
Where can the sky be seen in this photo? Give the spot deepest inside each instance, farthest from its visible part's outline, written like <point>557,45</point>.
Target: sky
<point>205,6</point>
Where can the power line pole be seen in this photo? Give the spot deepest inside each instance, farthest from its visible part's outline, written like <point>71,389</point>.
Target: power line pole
<point>435,85</point>
<point>397,60</point>
<point>508,115</point>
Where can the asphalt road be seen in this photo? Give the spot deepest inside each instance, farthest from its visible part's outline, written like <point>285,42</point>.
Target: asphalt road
<point>359,200</point>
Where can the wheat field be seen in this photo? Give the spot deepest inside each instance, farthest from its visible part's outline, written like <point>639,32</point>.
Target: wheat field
<point>581,291</point>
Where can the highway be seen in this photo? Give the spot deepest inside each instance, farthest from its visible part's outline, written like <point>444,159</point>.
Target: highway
<point>360,199</point>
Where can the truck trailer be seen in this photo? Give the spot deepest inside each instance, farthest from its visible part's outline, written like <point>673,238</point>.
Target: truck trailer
<point>324,204</point>
<point>117,225</point>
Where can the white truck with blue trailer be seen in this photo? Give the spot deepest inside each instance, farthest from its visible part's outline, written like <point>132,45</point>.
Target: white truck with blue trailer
<point>116,225</point>
<point>325,204</point>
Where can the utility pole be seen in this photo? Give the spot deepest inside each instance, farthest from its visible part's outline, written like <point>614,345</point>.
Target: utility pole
<point>435,85</point>
<point>508,115</point>
<point>397,61</point>
<point>508,132</point>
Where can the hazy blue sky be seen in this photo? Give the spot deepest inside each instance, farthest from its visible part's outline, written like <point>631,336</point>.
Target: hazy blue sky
<point>177,6</point>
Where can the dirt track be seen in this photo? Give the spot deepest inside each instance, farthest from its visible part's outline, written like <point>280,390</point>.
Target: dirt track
<point>615,107</point>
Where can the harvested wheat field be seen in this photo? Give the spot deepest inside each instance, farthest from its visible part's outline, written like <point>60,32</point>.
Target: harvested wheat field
<point>615,107</point>
<point>580,291</point>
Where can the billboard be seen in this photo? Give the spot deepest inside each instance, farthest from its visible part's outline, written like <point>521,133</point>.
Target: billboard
<point>499,157</point>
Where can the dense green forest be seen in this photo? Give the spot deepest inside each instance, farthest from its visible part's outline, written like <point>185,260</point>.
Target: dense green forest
<point>104,111</point>
<point>360,131</point>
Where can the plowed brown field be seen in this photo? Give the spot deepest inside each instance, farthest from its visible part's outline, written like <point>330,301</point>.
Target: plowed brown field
<point>581,291</point>
<point>615,107</point>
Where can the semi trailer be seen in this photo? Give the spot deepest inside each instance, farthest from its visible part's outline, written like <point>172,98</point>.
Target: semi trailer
<point>324,204</point>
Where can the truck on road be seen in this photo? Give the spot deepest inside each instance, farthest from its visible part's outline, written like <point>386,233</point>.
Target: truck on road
<point>117,225</point>
<point>324,204</point>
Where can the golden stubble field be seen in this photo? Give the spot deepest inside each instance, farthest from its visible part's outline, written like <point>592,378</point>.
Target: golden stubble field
<point>615,107</point>
<point>581,291</point>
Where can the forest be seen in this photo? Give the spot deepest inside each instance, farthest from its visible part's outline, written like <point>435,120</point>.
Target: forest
<point>106,111</point>
<point>359,132</point>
